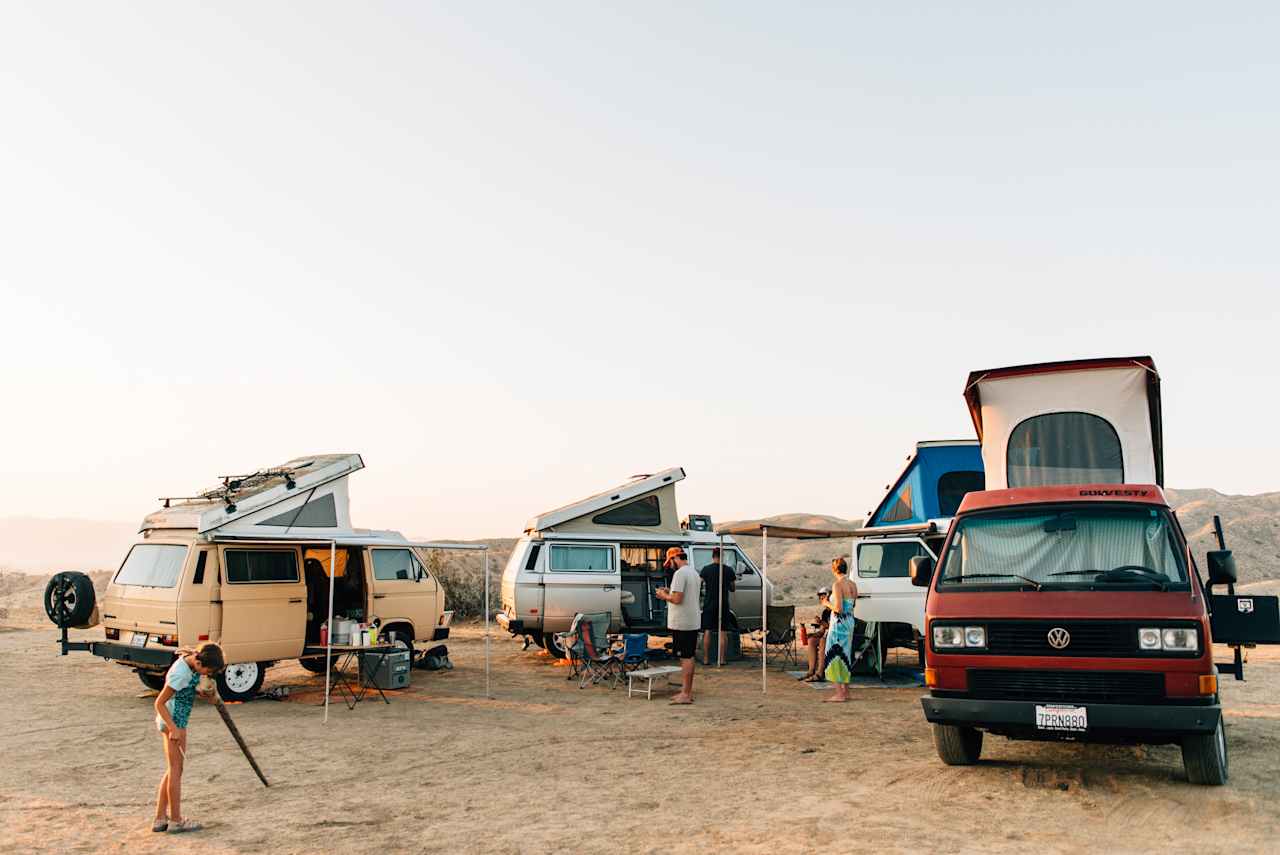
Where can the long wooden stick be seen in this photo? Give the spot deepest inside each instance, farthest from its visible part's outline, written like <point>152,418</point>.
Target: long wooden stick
<point>235,734</point>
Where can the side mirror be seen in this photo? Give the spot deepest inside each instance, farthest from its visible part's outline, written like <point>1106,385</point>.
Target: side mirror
<point>1222,567</point>
<point>921,569</point>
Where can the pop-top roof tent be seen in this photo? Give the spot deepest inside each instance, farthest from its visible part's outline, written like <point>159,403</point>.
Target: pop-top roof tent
<point>1090,421</point>
<point>644,505</point>
<point>306,496</point>
<point>931,486</point>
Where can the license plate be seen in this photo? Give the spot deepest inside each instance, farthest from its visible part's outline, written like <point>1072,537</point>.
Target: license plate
<point>1064,718</point>
<point>139,639</point>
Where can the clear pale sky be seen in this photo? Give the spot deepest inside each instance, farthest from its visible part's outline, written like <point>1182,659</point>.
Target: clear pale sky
<point>514,253</point>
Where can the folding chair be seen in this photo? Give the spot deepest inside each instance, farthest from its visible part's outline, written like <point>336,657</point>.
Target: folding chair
<point>598,661</point>
<point>572,644</point>
<point>779,633</point>
<point>635,651</point>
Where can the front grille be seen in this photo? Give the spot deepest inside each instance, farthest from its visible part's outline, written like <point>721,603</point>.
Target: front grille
<point>1096,638</point>
<point>1088,638</point>
<point>1074,686</point>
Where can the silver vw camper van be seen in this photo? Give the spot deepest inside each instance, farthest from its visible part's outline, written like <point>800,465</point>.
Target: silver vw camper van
<point>604,553</point>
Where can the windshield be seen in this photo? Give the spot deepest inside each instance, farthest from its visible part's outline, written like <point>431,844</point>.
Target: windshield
<point>1093,548</point>
<point>152,565</point>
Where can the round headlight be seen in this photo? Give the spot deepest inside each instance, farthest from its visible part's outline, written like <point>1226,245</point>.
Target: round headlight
<point>1149,639</point>
<point>975,636</point>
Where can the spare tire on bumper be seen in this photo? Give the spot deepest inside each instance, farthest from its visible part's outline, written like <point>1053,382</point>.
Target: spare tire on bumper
<point>69,599</point>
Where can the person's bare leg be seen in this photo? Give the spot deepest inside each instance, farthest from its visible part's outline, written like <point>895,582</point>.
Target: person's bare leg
<point>724,647</point>
<point>706,647</point>
<point>162,794</point>
<point>811,653</point>
<point>174,757</point>
<point>841,694</point>
<point>685,695</point>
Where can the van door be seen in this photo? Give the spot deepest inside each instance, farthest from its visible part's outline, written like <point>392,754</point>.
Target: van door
<point>745,599</point>
<point>885,592</point>
<point>264,603</point>
<point>581,577</point>
<point>402,591</point>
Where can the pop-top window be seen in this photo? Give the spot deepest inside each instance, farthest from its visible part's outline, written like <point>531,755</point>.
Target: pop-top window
<point>642,512</point>
<point>901,509</point>
<point>152,565</point>
<point>252,566</point>
<point>954,486</point>
<point>1064,448</point>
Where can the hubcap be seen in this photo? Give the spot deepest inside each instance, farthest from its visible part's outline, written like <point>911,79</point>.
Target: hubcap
<point>240,678</point>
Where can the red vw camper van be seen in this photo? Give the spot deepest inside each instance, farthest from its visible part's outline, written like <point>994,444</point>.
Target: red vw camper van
<point>1065,604</point>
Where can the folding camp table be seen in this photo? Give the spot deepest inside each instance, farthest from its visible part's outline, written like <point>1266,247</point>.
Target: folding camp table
<point>346,654</point>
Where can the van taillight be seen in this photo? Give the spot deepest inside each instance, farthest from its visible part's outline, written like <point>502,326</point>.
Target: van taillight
<point>112,632</point>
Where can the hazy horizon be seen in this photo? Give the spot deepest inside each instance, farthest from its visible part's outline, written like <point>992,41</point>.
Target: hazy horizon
<point>514,254</point>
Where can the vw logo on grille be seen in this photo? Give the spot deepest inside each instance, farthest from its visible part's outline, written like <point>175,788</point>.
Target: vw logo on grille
<point>1059,638</point>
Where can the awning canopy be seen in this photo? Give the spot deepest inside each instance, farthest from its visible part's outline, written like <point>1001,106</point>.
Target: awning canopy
<point>791,532</point>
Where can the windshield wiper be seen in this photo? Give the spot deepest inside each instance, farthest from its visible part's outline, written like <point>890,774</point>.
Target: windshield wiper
<point>1133,572</point>
<point>1123,573</point>
<point>1031,582</point>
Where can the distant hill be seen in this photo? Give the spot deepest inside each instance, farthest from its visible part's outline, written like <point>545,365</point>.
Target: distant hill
<point>1251,523</point>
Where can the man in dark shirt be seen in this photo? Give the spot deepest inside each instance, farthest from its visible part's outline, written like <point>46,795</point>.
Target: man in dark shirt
<point>717,583</point>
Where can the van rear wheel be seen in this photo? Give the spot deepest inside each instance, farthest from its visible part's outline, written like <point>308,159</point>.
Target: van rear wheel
<point>241,681</point>
<point>553,645</point>
<point>957,746</point>
<point>1204,756</point>
<point>153,680</point>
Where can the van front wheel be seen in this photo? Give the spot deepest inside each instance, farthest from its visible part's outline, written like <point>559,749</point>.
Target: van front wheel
<point>957,746</point>
<point>1205,757</point>
<point>241,681</point>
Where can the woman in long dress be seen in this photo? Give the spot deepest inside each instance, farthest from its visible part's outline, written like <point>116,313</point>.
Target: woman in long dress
<point>837,657</point>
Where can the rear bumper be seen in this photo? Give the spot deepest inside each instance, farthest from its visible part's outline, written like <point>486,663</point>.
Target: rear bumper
<point>515,626</point>
<point>1107,722</point>
<point>135,657</point>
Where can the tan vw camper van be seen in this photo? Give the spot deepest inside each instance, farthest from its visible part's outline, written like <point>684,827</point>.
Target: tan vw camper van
<point>248,565</point>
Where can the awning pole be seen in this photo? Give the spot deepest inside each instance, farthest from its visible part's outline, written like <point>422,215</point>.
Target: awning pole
<point>720,610</point>
<point>487,692</point>
<point>764,615</point>
<point>328,635</point>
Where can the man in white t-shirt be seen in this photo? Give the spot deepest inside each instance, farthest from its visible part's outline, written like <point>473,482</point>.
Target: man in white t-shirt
<point>684,618</point>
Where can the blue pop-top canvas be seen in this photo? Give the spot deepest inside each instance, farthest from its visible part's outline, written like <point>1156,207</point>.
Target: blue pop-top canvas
<point>931,486</point>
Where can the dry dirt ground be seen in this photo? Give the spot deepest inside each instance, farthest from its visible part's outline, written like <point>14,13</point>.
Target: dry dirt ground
<point>543,767</point>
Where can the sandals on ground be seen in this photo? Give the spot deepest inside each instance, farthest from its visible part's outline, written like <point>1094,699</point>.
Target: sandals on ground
<point>160,825</point>
<point>184,826</point>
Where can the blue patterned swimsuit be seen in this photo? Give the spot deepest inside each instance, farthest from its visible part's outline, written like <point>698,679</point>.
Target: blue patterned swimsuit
<point>183,678</point>
<point>837,655</point>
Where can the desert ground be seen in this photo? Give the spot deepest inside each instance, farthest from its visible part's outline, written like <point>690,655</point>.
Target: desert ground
<point>543,766</point>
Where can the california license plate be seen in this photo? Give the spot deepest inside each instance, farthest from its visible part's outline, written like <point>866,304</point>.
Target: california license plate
<point>139,639</point>
<point>1062,718</point>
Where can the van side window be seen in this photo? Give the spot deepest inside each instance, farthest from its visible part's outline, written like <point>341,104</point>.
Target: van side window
<point>589,559</point>
<point>392,564</point>
<point>198,579</point>
<point>886,560</point>
<point>1064,448</point>
<point>258,566</point>
<point>531,563</point>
